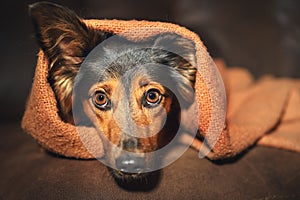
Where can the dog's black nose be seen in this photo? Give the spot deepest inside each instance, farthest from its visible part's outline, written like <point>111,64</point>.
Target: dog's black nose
<point>130,164</point>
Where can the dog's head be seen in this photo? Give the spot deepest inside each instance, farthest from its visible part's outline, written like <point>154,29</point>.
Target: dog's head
<point>135,101</point>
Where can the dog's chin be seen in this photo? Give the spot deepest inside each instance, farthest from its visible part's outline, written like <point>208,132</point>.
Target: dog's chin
<point>129,177</point>
<point>136,181</point>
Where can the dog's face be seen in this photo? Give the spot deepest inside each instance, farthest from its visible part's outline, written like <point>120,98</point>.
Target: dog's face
<point>121,114</point>
<point>129,103</point>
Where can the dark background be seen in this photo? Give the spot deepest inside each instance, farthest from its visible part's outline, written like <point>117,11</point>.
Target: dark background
<point>263,36</point>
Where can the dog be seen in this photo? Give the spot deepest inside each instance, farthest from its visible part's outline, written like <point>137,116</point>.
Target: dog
<point>128,90</point>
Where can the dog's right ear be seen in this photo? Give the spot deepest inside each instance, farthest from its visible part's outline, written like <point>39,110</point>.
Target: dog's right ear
<point>66,40</point>
<point>61,33</point>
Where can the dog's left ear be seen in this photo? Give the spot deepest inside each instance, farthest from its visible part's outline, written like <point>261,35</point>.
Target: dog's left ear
<point>177,44</point>
<point>179,53</point>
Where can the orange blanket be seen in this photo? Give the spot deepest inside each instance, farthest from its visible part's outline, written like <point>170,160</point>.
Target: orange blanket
<point>266,112</point>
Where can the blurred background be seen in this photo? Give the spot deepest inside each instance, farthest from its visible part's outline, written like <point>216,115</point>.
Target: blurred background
<point>262,36</point>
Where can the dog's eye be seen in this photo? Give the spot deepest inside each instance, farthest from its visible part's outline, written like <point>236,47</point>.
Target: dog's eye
<point>152,98</point>
<point>100,100</point>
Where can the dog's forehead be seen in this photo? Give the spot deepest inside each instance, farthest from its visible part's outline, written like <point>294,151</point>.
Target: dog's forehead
<point>132,79</point>
<point>125,60</point>
<point>116,59</point>
<point>127,69</point>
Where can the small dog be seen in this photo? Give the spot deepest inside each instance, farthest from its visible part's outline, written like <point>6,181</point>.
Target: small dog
<point>123,91</point>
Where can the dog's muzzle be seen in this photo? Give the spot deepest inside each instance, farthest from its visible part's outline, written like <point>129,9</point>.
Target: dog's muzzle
<point>130,164</point>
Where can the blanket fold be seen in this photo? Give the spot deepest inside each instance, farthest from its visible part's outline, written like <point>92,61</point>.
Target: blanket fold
<point>266,111</point>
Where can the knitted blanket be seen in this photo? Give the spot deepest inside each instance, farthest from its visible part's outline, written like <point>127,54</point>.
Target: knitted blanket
<point>264,112</point>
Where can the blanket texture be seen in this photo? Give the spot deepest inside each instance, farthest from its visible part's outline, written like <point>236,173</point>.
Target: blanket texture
<point>265,112</point>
